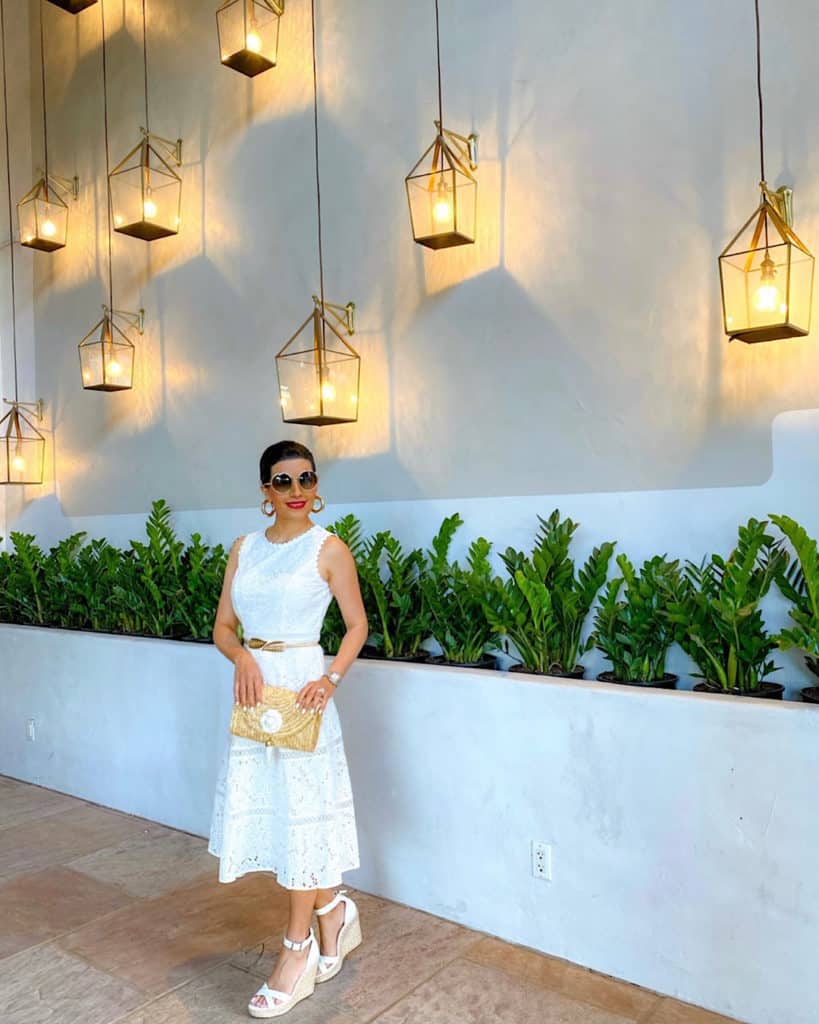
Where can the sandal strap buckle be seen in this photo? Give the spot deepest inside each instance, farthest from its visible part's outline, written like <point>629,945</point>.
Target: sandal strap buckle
<point>297,946</point>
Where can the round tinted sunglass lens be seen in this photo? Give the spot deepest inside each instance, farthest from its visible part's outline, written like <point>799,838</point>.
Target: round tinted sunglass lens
<point>308,480</point>
<point>281,483</point>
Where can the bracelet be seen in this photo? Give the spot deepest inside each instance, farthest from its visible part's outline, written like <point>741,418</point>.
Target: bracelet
<point>333,677</point>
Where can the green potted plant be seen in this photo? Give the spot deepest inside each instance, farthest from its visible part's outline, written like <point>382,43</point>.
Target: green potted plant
<point>631,626</point>
<point>800,585</point>
<point>348,529</point>
<point>543,605</point>
<point>455,598</point>
<point>716,607</point>
<point>392,578</point>
<point>23,576</point>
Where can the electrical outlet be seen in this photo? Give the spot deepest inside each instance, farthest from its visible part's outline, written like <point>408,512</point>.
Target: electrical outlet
<point>542,860</point>
<point>30,729</point>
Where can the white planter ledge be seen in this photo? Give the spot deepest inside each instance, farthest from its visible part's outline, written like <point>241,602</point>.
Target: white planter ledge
<point>683,826</point>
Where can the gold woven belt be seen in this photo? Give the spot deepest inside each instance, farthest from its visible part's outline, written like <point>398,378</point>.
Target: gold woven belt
<point>276,645</point>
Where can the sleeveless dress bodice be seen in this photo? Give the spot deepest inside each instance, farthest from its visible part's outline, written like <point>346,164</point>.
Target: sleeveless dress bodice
<point>286,811</point>
<point>277,591</point>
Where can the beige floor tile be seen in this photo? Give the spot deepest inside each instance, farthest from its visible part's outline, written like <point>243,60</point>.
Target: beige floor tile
<point>61,837</point>
<point>576,982</point>
<point>670,1011</point>
<point>21,802</point>
<point>221,997</point>
<point>37,906</point>
<point>401,948</point>
<point>149,865</point>
<point>158,944</point>
<point>47,984</point>
<point>468,993</point>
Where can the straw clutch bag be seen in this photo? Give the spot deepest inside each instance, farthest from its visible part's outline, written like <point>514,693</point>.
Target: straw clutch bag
<point>277,722</point>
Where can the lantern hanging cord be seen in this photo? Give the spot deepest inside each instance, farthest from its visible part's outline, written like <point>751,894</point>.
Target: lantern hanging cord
<point>8,180</point>
<point>107,159</point>
<point>759,93</point>
<point>145,59</point>
<point>43,79</point>
<point>438,54</point>
<point>318,183</point>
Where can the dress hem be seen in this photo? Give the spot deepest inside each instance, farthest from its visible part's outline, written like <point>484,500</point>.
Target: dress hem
<point>273,871</point>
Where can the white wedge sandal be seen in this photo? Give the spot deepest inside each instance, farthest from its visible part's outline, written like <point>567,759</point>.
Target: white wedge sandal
<point>304,986</point>
<point>348,938</point>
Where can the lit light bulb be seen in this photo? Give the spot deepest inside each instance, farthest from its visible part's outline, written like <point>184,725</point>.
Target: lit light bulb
<point>49,229</point>
<point>766,297</point>
<point>114,369</point>
<point>149,207</point>
<point>253,41</point>
<point>328,391</point>
<point>442,204</point>
<point>18,463</point>
<point>86,376</point>
<point>118,219</point>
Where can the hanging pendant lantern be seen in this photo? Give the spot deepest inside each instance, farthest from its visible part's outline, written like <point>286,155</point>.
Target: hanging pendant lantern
<point>146,191</point>
<point>42,213</point>
<point>73,6</point>
<point>442,190</point>
<point>248,32</point>
<point>319,370</point>
<point>443,193</point>
<point>42,216</point>
<point>22,446</point>
<point>107,352</point>
<point>766,274</point>
<point>766,271</point>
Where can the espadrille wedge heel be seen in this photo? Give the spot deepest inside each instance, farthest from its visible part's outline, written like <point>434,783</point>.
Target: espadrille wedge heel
<point>348,938</point>
<point>304,986</point>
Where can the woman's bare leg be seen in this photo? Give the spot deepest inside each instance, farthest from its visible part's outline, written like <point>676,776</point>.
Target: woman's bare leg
<point>290,964</point>
<point>330,923</point>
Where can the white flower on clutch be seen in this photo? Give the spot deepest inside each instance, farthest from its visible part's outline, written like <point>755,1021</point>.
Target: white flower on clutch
<point>271,720</point>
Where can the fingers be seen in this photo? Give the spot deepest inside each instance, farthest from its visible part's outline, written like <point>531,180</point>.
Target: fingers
<point>247,687</point>
<point>313,697</point>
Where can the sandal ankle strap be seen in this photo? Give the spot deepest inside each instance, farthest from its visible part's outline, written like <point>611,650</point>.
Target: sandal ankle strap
<point>297,947</point>
<point>321,911</point>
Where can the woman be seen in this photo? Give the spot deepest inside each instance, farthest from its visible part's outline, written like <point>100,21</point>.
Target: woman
<point>275,809</point>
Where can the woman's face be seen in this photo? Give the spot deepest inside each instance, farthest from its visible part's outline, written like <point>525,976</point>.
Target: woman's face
<point>293,498</point>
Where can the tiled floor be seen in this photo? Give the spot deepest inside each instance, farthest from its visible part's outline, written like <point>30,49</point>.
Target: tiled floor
<point>105,917</point>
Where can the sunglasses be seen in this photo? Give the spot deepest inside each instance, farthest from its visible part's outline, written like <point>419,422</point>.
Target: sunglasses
<point>282,482</point>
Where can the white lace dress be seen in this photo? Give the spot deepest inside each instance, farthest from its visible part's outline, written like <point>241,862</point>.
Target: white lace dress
<point>280,810</point>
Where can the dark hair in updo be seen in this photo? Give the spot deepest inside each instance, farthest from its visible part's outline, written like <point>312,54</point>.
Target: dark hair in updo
<point>282,450</point>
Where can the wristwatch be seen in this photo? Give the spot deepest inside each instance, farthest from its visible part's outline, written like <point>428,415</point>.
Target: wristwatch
<point>334,677</point>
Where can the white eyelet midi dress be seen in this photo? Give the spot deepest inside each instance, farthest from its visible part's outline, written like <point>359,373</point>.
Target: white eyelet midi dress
<point>286,811</point>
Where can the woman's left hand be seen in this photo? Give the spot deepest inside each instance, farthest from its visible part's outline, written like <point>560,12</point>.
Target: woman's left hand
<point>313,696</point>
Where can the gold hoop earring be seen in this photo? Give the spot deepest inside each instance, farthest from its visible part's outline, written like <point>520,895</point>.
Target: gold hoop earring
<point>272,511</point>
<point>318,498</point>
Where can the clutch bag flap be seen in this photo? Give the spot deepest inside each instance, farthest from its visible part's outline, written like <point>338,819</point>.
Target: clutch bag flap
<point>277,721</point>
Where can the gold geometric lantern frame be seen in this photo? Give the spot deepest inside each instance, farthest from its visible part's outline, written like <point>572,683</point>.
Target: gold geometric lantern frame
<point>442,191</point>
<point>766,275</point>
<point>146,191</point>
<point>319,373</point>
<point>42,213</point>
<point>248,34</point>
<point>107,353</point>
<point>22,446</point>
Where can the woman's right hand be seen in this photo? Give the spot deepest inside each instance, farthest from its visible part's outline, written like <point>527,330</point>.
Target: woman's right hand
<point>247,681</point>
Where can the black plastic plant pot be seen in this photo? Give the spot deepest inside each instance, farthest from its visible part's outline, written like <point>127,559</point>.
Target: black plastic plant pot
<point>368,651</point>
<point>667,682</point>
<point>767,691</point>
<point>413,658</point>
<point>488,661</point>
<point>577,672</point>
<point>810,695</point>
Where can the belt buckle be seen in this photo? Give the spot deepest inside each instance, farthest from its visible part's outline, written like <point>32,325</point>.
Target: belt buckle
<point>266,645</point>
